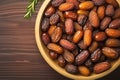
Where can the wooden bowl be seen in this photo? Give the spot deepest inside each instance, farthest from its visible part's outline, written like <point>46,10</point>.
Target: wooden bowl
<point>44,52</point>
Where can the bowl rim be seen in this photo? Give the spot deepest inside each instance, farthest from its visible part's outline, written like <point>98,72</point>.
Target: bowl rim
<point>51,62</point>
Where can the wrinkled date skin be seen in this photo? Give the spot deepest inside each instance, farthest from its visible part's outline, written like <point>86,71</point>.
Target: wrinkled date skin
<point>68,56</point>
<point>115,24</point>
<point>77,36</point>
<point>112,42</point>
<point>101,67</point>
<point>94,19</point>
<point>100,36</point>
<point>110,53</point>
<point>69,26</point>
<point>54,19</point>
<point>49,11</point>
<point>45,38</point>
<point>93,46</point>
<point>105,23</point>
<point>114,33</point>
<point>56,35</point>
<point>70,14</point>
<point>101,12</point>
<point>61,61</point>
<point>53,55</point>
<point>87,37</point>
<point>45,24</point>
<point>87,5</point>
<point>96,55</point>
<point>81,58</point>
<point>84,70</point>
<point>67,44</point>
<point>55,47</point>
<point>71,69</point>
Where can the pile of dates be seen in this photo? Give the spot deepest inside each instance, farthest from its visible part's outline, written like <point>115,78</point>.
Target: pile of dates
<point>82,35</point>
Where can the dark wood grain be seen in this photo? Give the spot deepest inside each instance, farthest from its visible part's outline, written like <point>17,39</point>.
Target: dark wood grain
<point>19,55</point>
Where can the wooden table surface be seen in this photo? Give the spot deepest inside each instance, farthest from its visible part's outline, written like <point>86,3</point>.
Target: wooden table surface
<point>19,55</point>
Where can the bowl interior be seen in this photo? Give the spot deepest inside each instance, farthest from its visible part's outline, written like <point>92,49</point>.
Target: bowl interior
<point>53,63</point>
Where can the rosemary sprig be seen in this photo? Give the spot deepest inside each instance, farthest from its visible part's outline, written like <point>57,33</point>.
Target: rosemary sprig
<point>31,8</point>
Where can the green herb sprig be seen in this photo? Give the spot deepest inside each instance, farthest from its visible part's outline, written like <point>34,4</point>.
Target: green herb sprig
<point>31,8</point>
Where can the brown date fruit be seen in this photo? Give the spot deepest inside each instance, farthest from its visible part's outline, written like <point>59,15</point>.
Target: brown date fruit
<point>67,44</point>
<point>45,24</point>
<point>105,23</point>
<point>101,12</point>
<point>68,56</point>
<point>109,10</point>
<point>53,55</point>
<point>87,5</point>
<point>82,36</point>
<point>45,38</point>
<point>54,19</point>
<point>101,67</point>
<point>66,6</point>
<point>95,56</point>
<point>69,26</point>
<point>56,35</point>
<point>57,3</point>
<point>94,19</point>
<point>115,33</point>
<point>56,48</point>
<point>82,57</point>
<point>61,61</point>
<point>70,14</point>
<point>77,36</point>
<point>87,37</point>
<point>82,19</point>
<point>84,70</point>
<point>49,11</point>
<point>71,69</point>
<point>112,42</point>
<point>100,36</point>
<point>115,23</point>
<point>110,53</point>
